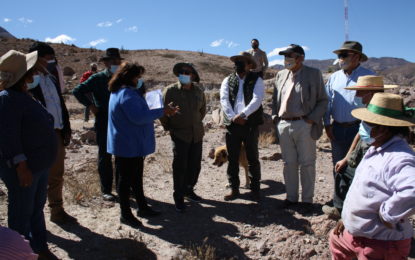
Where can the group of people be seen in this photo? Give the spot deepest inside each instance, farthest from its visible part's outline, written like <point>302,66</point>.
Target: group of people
<point>373,164</point>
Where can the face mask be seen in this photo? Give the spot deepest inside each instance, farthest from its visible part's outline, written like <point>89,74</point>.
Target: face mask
<point>35,83</point>
<point>255,46</point>
<point>358,102</point>
<point>113,68</point>
<point>364,132</point>
<point>344,64</point>
<point>289,63</point>
<point>239,67</point>
<point>139,83</point>
<point>184,79</point>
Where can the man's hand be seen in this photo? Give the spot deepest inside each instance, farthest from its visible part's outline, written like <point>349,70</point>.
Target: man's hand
<point>93,109</point>
<point>340,165</point>
<point>387,224</point>
<point>339,228</point>
<point>239,120</point>
<point>171,110</point>
<point>24,174</point>
<point>329,132</point>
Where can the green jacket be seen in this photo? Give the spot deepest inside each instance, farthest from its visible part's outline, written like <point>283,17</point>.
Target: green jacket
<point>187,124</point>
<point>97,85</point>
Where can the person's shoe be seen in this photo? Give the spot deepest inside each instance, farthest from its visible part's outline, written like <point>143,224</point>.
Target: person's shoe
<point>47,255</point>
<point>234,194</point>
<point>288,203</point>
<point>108,197</point>
<point>130,220</point>
<point>306,208</point>
<point>61,217</point>
<point>147,212</point>
<point>332,212</point>
<point>192,196</point>
<point>255,195</point>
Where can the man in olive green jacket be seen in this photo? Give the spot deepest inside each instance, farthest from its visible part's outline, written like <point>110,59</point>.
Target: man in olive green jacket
<point>186,131</point>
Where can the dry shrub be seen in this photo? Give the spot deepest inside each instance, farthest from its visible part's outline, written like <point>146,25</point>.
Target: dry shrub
<point>212,97</point>
<point>199,252</point>
<point>82,182</point>
<point>266,139</point>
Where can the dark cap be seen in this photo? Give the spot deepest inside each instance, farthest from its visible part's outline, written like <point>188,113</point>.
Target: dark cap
<point>293,48</point>
<point>42,49</point>
<point>112,53</point>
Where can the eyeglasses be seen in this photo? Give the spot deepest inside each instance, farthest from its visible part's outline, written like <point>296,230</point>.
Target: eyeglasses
<point>185,72</point>
<point>343,55</point>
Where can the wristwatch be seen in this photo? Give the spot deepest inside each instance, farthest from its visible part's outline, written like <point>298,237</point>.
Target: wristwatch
<point>242,115</point>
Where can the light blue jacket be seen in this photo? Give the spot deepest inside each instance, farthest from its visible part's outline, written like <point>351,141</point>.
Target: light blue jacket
<point>130,124</point>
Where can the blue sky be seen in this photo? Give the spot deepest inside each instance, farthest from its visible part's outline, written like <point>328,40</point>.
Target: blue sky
<point>386,28</point>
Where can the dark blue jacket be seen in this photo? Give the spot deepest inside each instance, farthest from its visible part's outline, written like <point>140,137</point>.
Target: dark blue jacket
<point>26,131</point>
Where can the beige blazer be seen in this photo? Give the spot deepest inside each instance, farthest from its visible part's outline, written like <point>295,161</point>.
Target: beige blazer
<point>313,97</point>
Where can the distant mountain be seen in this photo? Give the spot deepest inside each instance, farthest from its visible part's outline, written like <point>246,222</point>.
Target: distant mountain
<point>4,34</point>
<point>402,75</point>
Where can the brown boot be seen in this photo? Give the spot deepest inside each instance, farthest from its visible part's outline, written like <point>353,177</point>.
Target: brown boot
<point>234,194</point>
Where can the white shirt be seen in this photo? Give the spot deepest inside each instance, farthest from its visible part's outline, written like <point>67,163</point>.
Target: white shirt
<point>239,106</point>
<point>52,101</point>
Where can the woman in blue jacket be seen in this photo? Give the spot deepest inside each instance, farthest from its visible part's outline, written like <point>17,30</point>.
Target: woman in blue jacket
<point>131,137</point>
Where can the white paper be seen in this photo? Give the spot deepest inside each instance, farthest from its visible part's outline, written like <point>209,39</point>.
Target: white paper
<point>154,99</point>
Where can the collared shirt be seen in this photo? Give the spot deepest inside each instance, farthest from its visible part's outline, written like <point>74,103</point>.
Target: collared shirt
<point>239,106</point>
<point>186,125</point>
<point>384,184</point>
<point>260,58</point>
<point>341,100</point>
<point>52,100</point>
<point>293,107</point>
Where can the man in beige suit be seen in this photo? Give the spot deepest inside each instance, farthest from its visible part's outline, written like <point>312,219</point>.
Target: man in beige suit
<point>299,104</point>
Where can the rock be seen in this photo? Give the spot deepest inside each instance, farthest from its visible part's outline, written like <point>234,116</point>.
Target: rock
<point>217,116</point>
<point>251,234</point>
<point>88,137</point>
<point>309,253</point>
<point>68,71</point>
<point>74,77</point>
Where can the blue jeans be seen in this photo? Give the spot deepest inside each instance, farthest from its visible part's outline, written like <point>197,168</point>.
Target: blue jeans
<point>25,209</point>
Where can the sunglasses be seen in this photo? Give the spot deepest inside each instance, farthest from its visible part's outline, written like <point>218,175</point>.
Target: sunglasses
<point>185,72</point>
<point>343,55</point>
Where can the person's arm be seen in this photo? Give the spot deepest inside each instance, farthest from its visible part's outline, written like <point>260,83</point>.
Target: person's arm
<point>224,100</point>
<point>401,204</point>
<point>327,120</point>
<point>83,89</point>
<point>136,109</point>
<point>321,100</point>
<point>257,97</point>
<point>203,108</point>
<point>265,63</point>
<point>343,162</point>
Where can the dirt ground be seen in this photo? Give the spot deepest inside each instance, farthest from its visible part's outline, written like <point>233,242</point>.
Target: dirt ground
<point>212,229</point>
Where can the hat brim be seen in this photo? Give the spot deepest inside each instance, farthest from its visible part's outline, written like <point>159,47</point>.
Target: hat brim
<point>244,58</point>
<point>372,88</point>
<point>179,66</point>
<point>363,58</point>
<point>108,58</point>
<point>31,59</point>
<point>370,117</point>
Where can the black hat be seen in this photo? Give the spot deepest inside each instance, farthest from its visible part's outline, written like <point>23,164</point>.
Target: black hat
<point>354,47</point>
<point>42,49</point>
<point>293,48</point>
<point>244,56</point>
<point>111,53</point>
<point>179,66</point>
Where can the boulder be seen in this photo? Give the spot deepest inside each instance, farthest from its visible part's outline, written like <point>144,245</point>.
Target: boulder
<point>68,71</point>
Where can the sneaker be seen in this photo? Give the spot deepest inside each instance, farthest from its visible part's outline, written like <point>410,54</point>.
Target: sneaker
<point>233,195</point>
<point>192,196</point>
<point>332,212</point>
<point>131,221</point>
<point>61,217</point>
<point>108,197</point>
<point>148,212</point>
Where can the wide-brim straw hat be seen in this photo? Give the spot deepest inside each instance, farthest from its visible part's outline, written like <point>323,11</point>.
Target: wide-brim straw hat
<point>352,46</point>
<point>14,65</point>
<point>179,66</point>
<point>244,56</point>
<point>385,109</point>
<point>370,82</point>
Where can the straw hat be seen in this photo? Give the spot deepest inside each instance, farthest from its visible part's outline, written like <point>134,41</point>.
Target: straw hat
<point>13,66</point>
<point>385,109</point>
<point>370,82</point>
<point>244,56</point>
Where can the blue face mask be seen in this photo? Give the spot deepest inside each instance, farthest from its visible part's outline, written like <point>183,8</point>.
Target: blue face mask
<point>184,79</point>
<point>35,83</point>
<point>140,83</point>
<point>364,132</point>
<point>358,101</point>
<point>113,68</point>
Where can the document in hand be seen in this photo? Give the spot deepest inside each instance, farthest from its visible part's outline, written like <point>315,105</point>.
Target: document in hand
<point>154,99</point>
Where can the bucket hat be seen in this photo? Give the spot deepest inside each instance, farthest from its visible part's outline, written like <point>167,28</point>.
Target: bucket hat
<point>352,46</point>
<point>179,67</point>
<point>244,56</point>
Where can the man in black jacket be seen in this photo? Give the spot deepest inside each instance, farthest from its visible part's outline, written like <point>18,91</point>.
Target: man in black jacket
<point>48,92</point>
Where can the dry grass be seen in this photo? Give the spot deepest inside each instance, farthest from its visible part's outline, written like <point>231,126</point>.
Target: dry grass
<point>199,252</point>
<point>266,139</point>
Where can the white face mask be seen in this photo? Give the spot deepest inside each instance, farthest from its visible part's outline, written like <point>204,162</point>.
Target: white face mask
<point>364,132</point>
<point>113,68</point>
<point>35,83</point>
<point>289,63</point>
<point>344,64</point>
<point>358,102</point>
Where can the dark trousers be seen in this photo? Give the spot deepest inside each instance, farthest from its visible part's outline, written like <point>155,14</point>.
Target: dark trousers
<point>339,147</point>
<point>342,183</point>
<point>104,159</point>
<point>187,159</point>
<point>131,178</point>
<point>235,136</point>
